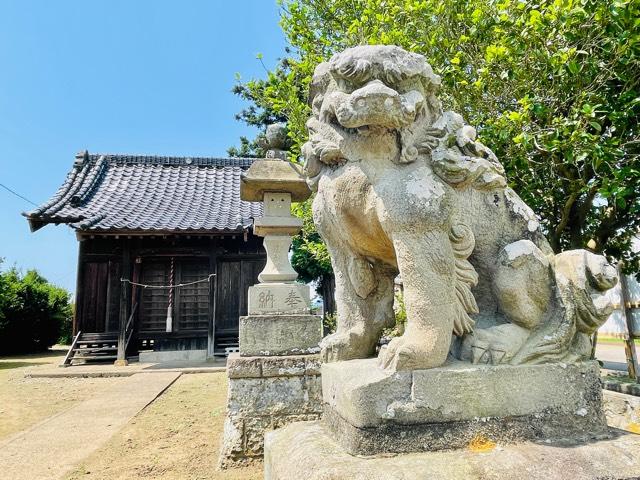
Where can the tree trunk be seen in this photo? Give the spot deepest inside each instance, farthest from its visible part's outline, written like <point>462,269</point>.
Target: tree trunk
<point>328,288</point>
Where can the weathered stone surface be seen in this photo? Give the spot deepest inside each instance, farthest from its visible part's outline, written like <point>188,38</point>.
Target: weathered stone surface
<point>233,442</point>
<point>279,334</point>
<point>306,450</point>
<point>405,187</point>
<point>371,411</point>
<point>244,436</point>
<point>276,226</point>
<point>279,299</point>
<point>273,176</point>
<point>267,393</point>
<point>622,410</point>
<point>275,395</point>
<point>276,136</point>
<point>258,367</point>
<point>271,383</point>
<point>282,225</point>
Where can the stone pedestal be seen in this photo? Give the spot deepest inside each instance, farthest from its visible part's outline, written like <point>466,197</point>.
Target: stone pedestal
<point>308,450</point>
<point>369,411</point>
<point>266,393</point>
<point>460,421</point>
<point>280,334</point>
<point>273,381</point>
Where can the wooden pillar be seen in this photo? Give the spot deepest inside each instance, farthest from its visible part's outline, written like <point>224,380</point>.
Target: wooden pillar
<point>125,301</point>
<point>213,294</point>
<point>77,315</point>
<point>136,293</point>
<point>629,344</point>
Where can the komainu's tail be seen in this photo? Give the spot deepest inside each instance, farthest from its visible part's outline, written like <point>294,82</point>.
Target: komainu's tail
<point>463,243</point>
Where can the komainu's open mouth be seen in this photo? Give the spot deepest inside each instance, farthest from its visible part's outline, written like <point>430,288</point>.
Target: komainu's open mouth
<point>374,105</point>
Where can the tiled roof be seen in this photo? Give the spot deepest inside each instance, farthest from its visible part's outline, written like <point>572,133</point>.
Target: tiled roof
<point>150,193</point>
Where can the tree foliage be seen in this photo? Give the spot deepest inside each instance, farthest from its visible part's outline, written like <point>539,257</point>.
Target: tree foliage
<point>34,314</point>
<point>553,87</point>
<point>311,259</point>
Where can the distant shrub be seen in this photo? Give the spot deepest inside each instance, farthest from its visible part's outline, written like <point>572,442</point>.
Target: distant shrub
<point>329,323</point>
<point>400,313</point>
<point>66,327</point>
<point>33,313</point>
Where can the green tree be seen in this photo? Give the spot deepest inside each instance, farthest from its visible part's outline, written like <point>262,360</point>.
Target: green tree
<point>34,314</point>
<point>310,257</point>
<point>553,87</point>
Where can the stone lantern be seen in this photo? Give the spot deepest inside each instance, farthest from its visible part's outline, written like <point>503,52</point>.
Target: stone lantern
<point>278,320</point>
<point>275,378</point>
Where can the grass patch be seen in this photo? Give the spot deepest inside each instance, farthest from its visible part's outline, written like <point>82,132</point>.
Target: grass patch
<point>616,340</point>
<point>619,379</point>
<point>10,365</point>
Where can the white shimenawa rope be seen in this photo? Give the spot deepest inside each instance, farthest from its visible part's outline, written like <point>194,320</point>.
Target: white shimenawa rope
<point>208,279</point>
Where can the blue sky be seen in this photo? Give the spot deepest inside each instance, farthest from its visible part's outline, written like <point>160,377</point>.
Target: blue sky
<point>146,77</point>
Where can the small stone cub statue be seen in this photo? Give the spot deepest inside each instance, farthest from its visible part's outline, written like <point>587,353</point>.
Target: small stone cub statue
<point>403,187</point>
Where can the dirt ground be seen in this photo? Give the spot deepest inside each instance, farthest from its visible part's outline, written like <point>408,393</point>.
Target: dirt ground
<point>27,401</point>
<point>176,437</point>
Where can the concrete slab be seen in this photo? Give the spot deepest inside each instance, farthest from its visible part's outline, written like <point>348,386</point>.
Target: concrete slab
<point>305,450</point>
<point>53,447</point>
<point>173,356</point>
<point>109,370</point>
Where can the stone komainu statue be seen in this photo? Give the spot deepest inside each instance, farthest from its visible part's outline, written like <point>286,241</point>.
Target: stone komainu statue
<point>403,187</point>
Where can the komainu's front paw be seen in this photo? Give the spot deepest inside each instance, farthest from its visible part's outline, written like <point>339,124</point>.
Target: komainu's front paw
<point>341,346</point>
<point>334,347</point>
<point>409,353</point>
<point>396,355</point>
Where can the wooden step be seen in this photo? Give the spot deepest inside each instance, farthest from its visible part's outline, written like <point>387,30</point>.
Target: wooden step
<point>96,347</point>
<point>95,353</point>
<point>92,347</point>
<point>99,336</point>
<point>106,357</point>
<point>97,344</point>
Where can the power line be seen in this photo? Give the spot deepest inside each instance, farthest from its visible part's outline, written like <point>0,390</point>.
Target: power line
<point>18,195</point>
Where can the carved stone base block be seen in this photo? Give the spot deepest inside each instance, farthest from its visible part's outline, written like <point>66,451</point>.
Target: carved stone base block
<point>308,450</point>
<point>267,335</point>
<point>370,411</point>
<point>266,393</point>
<point>278,298</point>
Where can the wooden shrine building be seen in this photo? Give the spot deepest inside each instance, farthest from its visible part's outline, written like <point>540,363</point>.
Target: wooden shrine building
<point>166,254</point>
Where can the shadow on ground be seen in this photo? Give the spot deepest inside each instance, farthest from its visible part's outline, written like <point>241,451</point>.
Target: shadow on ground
<point>10,365</point>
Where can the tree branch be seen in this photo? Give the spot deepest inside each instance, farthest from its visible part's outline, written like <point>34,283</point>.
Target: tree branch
<point>565,215</point>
